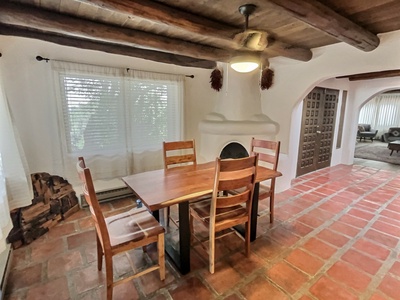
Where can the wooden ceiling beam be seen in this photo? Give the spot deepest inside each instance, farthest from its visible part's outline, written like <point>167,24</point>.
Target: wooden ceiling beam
<point>372,75</point>
<point>167,15</point>
<point>321,17</point>
<point>54,23</point>
<point>152,55</point>
<point>279,48</point>
<point>192,23</point>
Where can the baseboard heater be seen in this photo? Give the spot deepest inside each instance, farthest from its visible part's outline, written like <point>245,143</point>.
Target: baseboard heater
<point>110,195</point>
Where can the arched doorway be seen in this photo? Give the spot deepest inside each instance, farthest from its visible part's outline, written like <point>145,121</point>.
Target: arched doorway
<point>380,114</point>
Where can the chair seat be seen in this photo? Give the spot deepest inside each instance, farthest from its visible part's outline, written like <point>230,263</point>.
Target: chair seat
<point>133,225</point>
<point>202,209</point>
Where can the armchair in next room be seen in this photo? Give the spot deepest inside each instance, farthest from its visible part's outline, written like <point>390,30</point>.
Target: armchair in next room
<point>366,132</point>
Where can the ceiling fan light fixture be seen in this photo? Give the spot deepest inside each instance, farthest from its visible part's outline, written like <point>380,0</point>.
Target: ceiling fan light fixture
<point>245,63</point>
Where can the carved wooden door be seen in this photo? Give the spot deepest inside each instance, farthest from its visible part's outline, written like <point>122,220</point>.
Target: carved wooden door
<point>317,130</point>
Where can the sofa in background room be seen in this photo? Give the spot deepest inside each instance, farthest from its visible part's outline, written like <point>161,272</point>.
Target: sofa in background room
<point>392,135</point>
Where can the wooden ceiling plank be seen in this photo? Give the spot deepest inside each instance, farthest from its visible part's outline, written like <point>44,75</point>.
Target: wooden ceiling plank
<point>157,56</point>
<point>192,23</point>
<point>29,17</point>
<point>381,13</point>
<point>327,20</point>
<point>164,14</point>
<point>349,8</point>
<point>46,21</point>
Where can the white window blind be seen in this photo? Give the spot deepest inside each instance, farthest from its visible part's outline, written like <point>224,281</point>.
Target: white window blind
<point>382,112</point>
<point>93,113</point>
<point>109,116</point>
<point>156,114</point>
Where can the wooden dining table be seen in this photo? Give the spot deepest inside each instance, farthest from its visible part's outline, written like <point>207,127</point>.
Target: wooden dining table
<point>162,188</point>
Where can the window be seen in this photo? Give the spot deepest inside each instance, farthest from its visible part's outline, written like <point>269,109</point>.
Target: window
<point>155,113</point>
<point>93,113</point>
<point>98,114</point>
<point>110,114</point>
<point>382,112</point>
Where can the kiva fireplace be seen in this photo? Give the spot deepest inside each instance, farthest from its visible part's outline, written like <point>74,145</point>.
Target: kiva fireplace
<point>237,115</point>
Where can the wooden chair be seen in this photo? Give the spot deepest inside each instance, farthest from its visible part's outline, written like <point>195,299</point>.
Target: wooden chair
<point>178,153</point>
<point>120,233</point>
<point>268,156</point>
<point>224,211</point>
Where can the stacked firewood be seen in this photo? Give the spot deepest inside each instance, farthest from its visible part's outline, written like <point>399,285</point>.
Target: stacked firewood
<point>54,200</point>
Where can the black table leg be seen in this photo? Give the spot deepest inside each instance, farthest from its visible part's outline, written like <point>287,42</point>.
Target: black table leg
<point>254,213</point>
<point>156,215</point>
<point>181,256</point>
<point>253,216</point>
<point>184,237</point>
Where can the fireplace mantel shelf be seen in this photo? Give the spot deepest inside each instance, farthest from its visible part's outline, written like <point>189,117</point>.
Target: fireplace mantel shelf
<point>244,127</point>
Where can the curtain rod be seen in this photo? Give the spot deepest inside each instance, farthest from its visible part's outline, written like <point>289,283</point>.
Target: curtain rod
<point>128,69</point>
<point>40,58</point>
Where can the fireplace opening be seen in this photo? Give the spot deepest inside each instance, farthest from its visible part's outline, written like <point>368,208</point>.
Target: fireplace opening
<point>234,150</point>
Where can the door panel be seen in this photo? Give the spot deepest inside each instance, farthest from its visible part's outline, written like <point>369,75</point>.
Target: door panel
<point>317,130</point>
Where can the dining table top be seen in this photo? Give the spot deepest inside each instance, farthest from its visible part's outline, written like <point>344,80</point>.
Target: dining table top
<point>162,188</point>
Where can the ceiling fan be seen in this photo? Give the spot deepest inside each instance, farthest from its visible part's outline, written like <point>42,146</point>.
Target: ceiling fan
<point>253,39</point>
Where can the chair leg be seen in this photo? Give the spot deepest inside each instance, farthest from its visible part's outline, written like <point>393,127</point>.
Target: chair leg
<point>161,255</point>
<point>109,276</point>
<point>271,207</point>
<point>168,215</point>
<point>247,239</point>
<point>191,226</point>
<point>211,251</point>
<point>99,254</point>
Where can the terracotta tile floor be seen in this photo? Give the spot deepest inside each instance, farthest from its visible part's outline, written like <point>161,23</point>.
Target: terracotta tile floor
<point>336,236</point>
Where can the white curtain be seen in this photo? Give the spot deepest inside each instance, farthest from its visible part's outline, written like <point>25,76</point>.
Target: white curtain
<point>107,164</point>
<point>15,184</point>
<point>5,222</point>
<point>126,106</point>
<point>382,112</point>
<point>146,152</point>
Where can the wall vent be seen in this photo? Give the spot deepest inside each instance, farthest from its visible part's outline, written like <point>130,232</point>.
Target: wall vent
<point>109,195</point>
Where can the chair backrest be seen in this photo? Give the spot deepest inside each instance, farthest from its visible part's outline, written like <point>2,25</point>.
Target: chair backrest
<point>268,152</point>
<point>179,153</point>
<point>234,174</point>
<point>94,207</point>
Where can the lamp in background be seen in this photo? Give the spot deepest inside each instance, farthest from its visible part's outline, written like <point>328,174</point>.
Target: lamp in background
<point>244,63</point>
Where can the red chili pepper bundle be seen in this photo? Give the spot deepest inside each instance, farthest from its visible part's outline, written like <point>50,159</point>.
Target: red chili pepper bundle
<point>267,77</point>
<point>216,79</point>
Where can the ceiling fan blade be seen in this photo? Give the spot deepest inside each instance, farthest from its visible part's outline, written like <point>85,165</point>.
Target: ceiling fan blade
<point>252,39</point>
